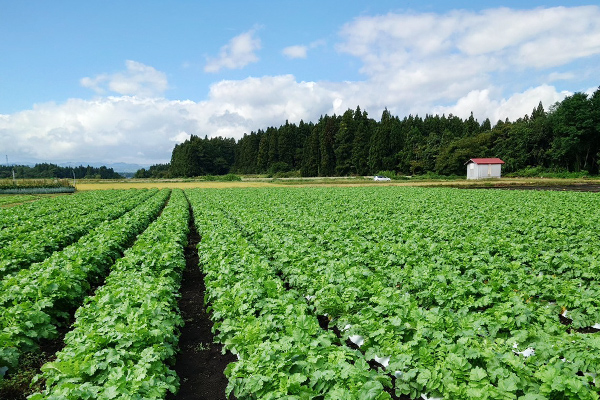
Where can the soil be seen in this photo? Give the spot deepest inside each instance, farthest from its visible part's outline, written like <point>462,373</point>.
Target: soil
<point>18,386</point>
<point>562,188</point>
<point>199,364</point>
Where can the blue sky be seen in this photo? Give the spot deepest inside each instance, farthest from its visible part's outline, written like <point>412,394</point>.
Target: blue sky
<point>117,81</point>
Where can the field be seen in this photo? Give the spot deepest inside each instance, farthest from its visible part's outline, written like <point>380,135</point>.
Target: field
<point>318,292</point>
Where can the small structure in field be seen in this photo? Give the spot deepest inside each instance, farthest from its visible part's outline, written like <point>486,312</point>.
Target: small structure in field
<point>480,168</point>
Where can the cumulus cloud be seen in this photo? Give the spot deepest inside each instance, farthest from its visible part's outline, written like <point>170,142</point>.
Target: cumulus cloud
<point>126,128</point>
<point>138,80</point>
<point>297,51</point>
<point>300,51</point>
<point>239,52</point>
<point>448,55</point>
<point>451,63</point>
<point>488,103</point>
<point>144,130</point>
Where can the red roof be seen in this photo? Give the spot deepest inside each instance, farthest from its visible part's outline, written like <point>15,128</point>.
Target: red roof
<point>486,161</point>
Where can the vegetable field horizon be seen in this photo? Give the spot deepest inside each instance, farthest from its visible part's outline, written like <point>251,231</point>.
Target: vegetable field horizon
<point>373,292</point>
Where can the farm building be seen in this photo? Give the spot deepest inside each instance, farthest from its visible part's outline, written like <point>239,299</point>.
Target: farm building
<point>480,168</point>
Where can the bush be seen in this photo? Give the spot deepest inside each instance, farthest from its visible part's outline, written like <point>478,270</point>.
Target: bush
<point>288,174</point>
<point>34,183</point>
<point>231,178</point>
<point>393,175</point>
<point>278,168</point>
<point>541,172</point>
<point>221,178</point>
<point>437,177</point>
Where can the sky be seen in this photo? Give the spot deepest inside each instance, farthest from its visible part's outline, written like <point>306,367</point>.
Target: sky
<point>124,81</point>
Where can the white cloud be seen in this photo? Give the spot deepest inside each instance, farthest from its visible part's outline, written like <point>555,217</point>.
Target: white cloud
<point>180,137</point>
<point>414,64</point>
<point>485,103</point>
<point>561,76</point>
<point>298,51</point>
<point>239,52</point>
<point>138,80</point>
<point>106,130</point>
<point>301,51</point>
<point>144,130</point>
<point>455,53</point>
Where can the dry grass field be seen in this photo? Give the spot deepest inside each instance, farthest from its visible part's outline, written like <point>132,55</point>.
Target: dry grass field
<point>162,184</point>
<point>528,183</point>
<point>251,182</point>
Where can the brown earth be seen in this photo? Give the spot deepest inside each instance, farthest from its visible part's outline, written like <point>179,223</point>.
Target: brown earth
<point>562,188</point>
<point>199,364</point>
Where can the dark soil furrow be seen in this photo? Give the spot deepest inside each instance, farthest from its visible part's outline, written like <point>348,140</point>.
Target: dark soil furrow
<point>199,364</point>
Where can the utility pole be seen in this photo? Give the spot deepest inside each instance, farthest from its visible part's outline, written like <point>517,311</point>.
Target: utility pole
<point>13,170</point>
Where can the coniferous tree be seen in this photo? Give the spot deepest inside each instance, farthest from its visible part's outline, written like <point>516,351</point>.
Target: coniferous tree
<point>566,137</point>
<point>329,130</point>
<point>343,144</point>
<point>262,160</point>
<point>311,161</point>
<point>573,145</point>
<point>360,147</point>
<point>286,145</point>
<point>380,157</point>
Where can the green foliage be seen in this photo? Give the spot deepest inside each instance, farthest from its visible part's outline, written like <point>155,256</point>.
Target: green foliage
<point>155,171</point>
<point>15,199</point>
<point>532,172</point>
<point>36,300</point>
<point>197,156</point>
<point>231,178</point>
<point>33,237</point>
<point>393,175</point>
<point>127,333</point>
<point>34,183</point>
<point>289,174</point>
<point>47,171</point>
<point>221,178</point>
<point>282,350</point>
<point>278,167</point>
<point>456,293</point>
<point>462,290</point>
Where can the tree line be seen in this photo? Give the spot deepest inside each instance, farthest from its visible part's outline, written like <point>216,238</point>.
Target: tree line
<point>47,171</point>
<point>564,138</point>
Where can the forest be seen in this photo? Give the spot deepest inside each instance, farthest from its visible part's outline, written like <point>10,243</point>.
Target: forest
<point>564,138</point>
<point>45,171</point>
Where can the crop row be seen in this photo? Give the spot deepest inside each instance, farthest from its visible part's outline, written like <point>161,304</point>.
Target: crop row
<point>281,348</point>
<point>441,286</point>
<point>32,213</point>
<point>360,293</point>
<point>53,232</point>
<point>29,212</point>
<point>126,334</point>
<point>17,198</point>
<point>35,301</point>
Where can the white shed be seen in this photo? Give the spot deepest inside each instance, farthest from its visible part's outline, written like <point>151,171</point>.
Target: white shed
<point>480,168</point>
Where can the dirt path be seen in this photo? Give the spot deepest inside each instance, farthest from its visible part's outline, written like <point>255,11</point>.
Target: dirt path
<point>199,364</point>
<point>562,188</point>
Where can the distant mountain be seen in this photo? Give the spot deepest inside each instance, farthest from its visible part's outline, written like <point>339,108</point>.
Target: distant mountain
<point>117,167</point>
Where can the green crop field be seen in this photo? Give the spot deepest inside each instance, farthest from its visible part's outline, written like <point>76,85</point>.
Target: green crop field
<point>319,292</point>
